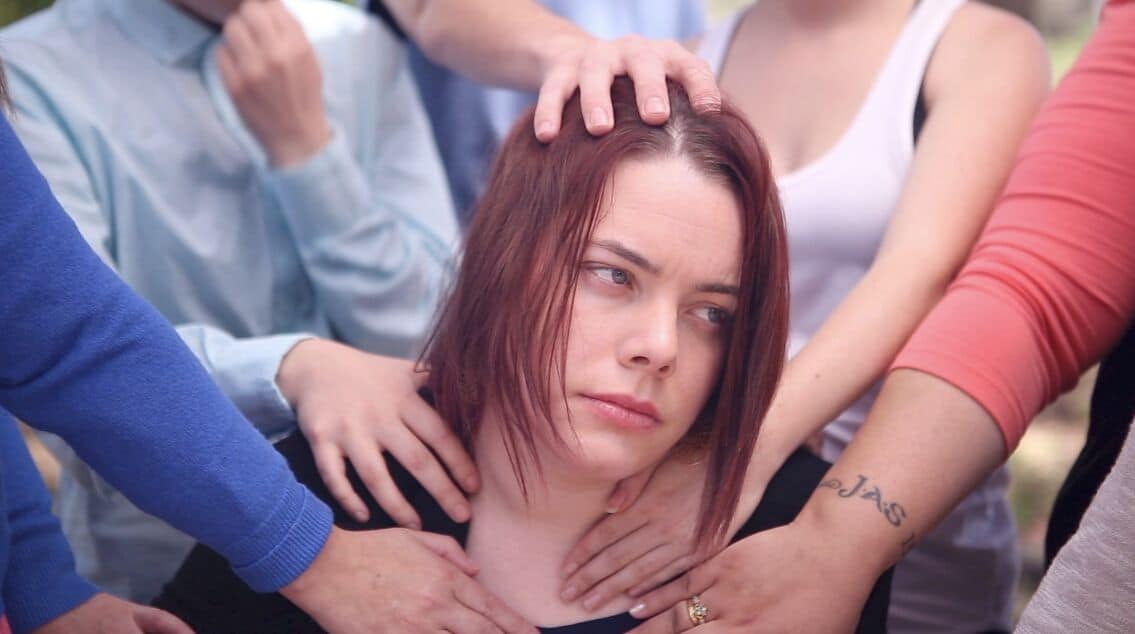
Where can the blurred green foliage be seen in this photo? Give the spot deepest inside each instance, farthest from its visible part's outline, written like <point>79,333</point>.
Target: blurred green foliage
<point>12,10</point>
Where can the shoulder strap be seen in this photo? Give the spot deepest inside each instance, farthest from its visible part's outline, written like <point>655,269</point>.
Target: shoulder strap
<point>901,79</point>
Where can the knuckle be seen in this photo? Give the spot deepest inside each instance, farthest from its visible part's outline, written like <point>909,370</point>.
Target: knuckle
<point>605,533</point>
<point>698,70</point>
<point>593,65</point>
<point>317,431</point>
<point>642,59</point>
<point>417,459</point>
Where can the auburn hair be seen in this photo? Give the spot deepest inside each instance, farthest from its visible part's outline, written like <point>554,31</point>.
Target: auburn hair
<point>501,335</point>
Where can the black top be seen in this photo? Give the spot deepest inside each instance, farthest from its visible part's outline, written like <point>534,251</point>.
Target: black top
<point>207,595</point>
<point>1112,409</point>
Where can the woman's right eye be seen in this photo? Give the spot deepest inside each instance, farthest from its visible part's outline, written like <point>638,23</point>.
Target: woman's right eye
<point>612,275</point>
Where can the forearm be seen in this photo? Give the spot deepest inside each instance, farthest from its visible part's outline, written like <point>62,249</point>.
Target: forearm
<point>849,353</point>
<point>40,582</point>
<point>503,42</point>
<point>375,244</point>
<point>924,447</point>
<point>85,358</point>
<point>1049,288</point>
<point>371,214</point>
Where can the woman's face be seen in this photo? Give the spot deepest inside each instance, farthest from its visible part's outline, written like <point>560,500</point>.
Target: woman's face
<point>656,290</point>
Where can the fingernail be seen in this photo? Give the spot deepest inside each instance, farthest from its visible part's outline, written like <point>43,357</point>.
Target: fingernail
<point>415,525</point>
<point>360,515</point>
<point>591,602</point>
<point>655,105</point>
<point>570,593</point>
<point>544,128</point>
<point>471,483</point>
<point>636,610</point>
<point>614,505</point>
<point>569,569</point>
<point>598,118</point>
<point>461,512</point>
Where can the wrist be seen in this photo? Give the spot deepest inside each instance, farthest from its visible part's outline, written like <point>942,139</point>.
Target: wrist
<point>284,153</point>
<point>295,368</point>
<point>851,529</point>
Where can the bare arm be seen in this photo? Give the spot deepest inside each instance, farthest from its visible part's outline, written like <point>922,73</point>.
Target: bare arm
<point>520,44</point>
<point>1047,290</point>
<point>505,42</point>
<point>964,154</point>
<point>965,151</point>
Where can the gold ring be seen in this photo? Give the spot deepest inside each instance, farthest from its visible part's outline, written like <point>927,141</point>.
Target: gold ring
<point>696,610</point>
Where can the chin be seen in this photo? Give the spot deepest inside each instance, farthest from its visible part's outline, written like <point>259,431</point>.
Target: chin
<point>611,459</point>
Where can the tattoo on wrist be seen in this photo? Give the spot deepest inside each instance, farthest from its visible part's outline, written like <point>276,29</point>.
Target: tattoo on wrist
<point>863,490</point>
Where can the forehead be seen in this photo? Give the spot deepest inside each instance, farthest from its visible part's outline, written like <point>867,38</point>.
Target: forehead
<point>674,215</point>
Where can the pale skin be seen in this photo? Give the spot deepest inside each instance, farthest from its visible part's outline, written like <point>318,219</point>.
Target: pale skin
<point>105,613</point>
<point>643,325</point>
<point>519,44</point>
<point>950,191</point>
<point>274,79</point>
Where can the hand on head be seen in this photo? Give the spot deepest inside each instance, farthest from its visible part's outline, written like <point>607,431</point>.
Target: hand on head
<point>593,67</point>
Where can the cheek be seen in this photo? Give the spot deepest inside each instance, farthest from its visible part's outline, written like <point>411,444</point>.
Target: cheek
<point>698,375</point>
<point>590,333</point>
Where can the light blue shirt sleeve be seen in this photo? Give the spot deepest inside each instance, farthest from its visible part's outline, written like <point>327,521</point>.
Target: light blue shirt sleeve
<point>244,368</point>
<point>371,214</point>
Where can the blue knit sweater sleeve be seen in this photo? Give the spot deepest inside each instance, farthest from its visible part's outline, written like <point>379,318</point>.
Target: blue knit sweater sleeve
<point>40,581</point>
<point>83,357</point>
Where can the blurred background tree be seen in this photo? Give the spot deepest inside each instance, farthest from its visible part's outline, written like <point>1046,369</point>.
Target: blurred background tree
<point>11,10</point>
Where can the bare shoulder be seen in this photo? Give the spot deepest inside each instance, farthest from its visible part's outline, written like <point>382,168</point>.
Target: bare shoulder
<point>984,44</point>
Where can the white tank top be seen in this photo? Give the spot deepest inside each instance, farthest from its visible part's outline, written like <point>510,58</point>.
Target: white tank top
<point>838,206</point>
<point>961,577</point>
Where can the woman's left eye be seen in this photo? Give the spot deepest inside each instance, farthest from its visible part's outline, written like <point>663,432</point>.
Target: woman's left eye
<point>612,275</point>
<point>714,315</point>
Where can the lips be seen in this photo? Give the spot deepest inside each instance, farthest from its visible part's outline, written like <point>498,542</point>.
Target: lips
<point>624,410</point>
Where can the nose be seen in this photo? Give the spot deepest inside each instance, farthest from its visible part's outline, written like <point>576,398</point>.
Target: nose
<point>651,341</point>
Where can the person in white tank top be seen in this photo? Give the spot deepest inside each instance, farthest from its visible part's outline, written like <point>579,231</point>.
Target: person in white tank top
<point>892,126</point>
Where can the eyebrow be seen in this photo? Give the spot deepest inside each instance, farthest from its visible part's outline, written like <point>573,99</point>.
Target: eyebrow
<point>639,260</point>
<point>628,254</point>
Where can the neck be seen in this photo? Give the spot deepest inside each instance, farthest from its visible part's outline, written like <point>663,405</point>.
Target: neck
<point>560,501</point>
<point>520,544</point>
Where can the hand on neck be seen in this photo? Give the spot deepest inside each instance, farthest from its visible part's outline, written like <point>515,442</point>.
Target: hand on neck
<point>520,543</point>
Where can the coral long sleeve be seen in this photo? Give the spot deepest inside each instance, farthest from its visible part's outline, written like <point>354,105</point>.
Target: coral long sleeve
<point>1051,284</point>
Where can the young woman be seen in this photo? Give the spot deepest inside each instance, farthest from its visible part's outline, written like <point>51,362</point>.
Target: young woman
<point>891,127</point>
<point>620,299</point>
